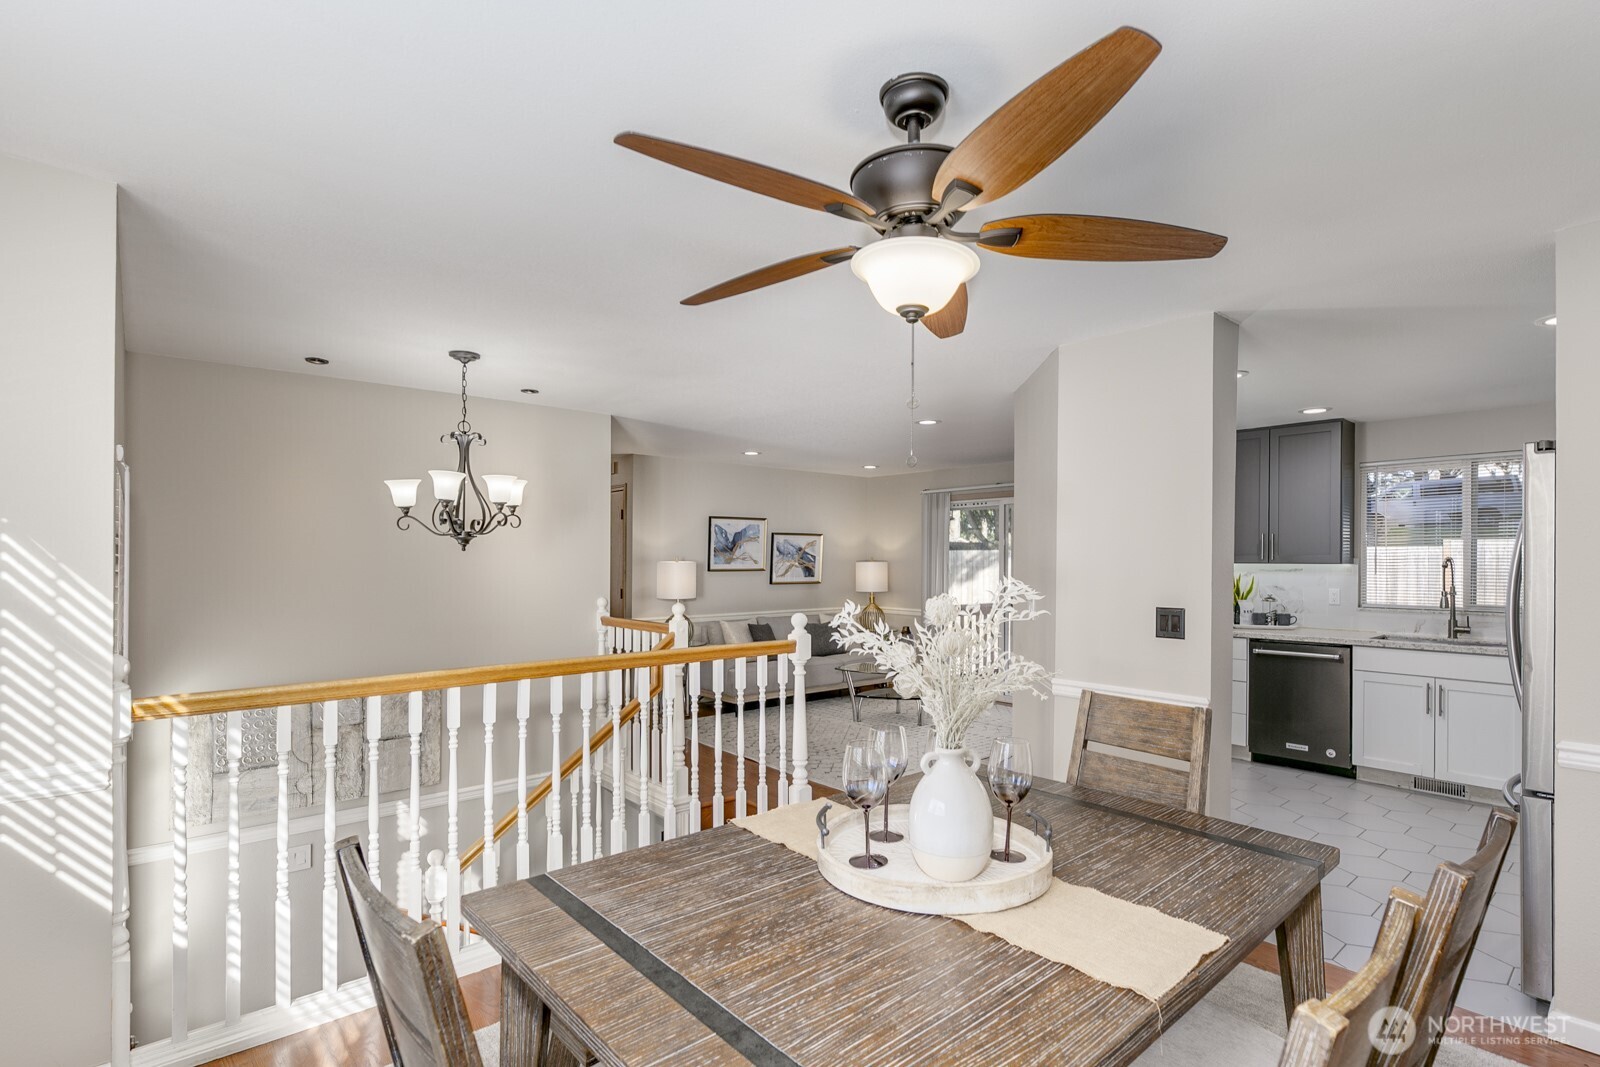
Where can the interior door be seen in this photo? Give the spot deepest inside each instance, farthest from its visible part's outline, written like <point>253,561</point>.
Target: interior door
<point>620,593</point>
<point>1392,722</point>
<point>1478,738</point>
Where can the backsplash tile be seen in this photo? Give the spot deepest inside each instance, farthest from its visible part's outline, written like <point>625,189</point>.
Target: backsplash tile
<point>1303,590</point>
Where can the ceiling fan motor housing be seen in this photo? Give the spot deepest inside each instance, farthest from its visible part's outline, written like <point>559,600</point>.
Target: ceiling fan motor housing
<point>899,180</point>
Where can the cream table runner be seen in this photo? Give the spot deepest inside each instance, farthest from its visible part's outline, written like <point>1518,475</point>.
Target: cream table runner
<point>1127,945</point>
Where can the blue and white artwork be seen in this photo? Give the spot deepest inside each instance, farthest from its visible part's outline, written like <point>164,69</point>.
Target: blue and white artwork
<point>736,544</point>
<point>796,559</point>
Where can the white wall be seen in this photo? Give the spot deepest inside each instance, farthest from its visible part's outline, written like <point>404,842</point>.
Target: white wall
<point>1577,591</point>
<point>1034,530</point>
<point>1145,457</point>
<point>1305,587</point>
<point>58,339</point>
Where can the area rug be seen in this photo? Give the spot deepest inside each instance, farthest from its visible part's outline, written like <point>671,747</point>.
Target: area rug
<point>829,727</point>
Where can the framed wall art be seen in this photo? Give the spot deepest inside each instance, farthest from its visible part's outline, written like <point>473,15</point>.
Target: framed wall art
<point>796,559</point>
<point>736,544</point>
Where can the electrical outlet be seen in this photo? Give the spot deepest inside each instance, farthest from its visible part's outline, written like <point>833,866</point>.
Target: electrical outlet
<point>299,858</point>
<point>1333,594</point>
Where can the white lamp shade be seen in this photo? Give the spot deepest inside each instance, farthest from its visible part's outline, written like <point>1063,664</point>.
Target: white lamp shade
<point>515,499</point>
<point>499,487</point>
<point>675,579</point>
<point>446,484</point>
<point>914,271</point>
<point>403,491</point>
<point>872,576</point>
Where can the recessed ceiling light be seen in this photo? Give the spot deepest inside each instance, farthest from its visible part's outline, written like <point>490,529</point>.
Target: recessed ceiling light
<point>752,452</point>
<point>1241,374</point>
<point>316,361</point>
<point>927,422</point>
<point>531,392</point>
<point>869,466</point>
<point>1313,411</point>
<point>1551,321</point>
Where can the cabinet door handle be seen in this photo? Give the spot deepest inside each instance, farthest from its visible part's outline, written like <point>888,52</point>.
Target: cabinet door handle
<point>1262,551</point>
<point>1427,706</point>
<point>1441,702</point>
<point>1272,551</point>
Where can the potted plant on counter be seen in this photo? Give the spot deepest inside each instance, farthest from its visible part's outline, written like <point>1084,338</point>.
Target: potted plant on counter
<point>1242,591</point>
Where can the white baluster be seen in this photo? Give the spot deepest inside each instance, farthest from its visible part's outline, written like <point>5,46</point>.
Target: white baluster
<point>761,733</point>
<point>524,704</point>
<point>280,911</point>
<point>572,807</point>
<point>121,949</point>
<point>800,791</point>
<point>741,800</point>
<point>491,847</point>
<point>180,881</point>
<point>718,674</point>
<point>678,704</point>
<point>233,936</point>
<point>452,841</point>
<point>330,831</point>
<point>670,754</point>
<point>602,631</point>
<point>554,851</point>
<point>692,700</point>
<point>435,886</point>
<point>586,703</point>
<point>599,815</point>
<point>783,730</point>
<point>641,685</point>
<point>374,737</point>
<point>619,794</point>
<point>411,881</point>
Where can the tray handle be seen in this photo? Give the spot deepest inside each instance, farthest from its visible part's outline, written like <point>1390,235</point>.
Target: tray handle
<point>822,827</point>
<point>1042,827</point>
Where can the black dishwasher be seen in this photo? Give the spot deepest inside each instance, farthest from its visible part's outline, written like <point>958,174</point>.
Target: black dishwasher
<point>1300,704</point>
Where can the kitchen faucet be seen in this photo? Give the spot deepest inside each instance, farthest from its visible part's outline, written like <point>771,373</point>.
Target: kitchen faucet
<point>1447,598</point>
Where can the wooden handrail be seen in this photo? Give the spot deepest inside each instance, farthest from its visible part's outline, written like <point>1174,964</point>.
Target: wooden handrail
<point>178,705</point>
<point>635,624</point>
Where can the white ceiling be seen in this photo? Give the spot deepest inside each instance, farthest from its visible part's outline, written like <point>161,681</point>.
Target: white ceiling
<point>377,183</point>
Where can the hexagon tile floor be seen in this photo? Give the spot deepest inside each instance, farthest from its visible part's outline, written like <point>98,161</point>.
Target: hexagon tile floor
<point>1390,837</point>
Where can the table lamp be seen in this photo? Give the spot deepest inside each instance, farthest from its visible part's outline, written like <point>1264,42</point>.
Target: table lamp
<point>872,577</point>
<point>675,580</point>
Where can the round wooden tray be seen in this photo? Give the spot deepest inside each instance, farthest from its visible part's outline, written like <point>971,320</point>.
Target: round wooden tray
<point>900,884</point>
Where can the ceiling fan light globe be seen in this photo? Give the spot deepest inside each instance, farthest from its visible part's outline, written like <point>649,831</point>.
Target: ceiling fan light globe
<point>914,271</point>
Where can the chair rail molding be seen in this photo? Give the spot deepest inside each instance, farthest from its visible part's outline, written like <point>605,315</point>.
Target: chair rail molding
<point>1578,755</point>
<point>1063,687</point>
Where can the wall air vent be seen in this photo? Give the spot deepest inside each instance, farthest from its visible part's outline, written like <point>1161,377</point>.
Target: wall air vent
<point>1438,788</point>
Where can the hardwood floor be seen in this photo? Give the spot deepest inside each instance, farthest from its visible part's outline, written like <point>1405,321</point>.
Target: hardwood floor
<point>730,776</point>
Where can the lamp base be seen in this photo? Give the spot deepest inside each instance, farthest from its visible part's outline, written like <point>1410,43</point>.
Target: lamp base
<point>871,617</point>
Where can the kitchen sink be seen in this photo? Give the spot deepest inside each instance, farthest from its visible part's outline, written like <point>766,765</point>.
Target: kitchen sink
<point>1444,642</point>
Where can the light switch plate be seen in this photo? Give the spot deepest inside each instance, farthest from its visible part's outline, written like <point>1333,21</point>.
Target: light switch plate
<point>1333,594</point>
<point>299,858</point>
<point>1169,623</point>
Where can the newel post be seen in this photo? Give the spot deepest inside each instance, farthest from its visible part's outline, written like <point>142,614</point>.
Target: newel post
<point>800,787</point>
<point>121,956</point>
<point>678,703</point>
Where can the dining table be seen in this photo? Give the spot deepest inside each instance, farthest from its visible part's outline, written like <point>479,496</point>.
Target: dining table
<point>723,947</point>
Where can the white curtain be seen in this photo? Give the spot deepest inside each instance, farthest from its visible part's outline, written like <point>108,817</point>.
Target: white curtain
<point>935,544</point>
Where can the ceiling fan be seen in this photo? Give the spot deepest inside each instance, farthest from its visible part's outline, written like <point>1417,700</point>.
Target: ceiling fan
<point>914,194</point>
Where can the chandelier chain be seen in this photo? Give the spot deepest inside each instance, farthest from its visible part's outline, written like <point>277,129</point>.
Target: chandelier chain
<point>464,426</point>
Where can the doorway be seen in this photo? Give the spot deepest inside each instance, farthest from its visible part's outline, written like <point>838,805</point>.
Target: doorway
<point>621,592</point>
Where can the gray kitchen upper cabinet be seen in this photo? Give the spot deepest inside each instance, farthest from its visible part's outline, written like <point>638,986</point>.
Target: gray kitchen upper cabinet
<point>1295,494</point>
<point>1251,492</point>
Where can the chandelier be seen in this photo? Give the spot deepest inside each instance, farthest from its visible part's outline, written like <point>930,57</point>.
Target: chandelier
<point>497,500</point>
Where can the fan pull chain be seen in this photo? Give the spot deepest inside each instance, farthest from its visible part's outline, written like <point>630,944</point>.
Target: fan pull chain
<point>911,454</point>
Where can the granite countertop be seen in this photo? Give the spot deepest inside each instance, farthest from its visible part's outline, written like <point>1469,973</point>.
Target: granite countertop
<point>1370,639</point>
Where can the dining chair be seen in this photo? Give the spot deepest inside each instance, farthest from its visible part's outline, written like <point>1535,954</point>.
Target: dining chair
<point>413,981</point>
<point>1112,729</point>
<point>1447,931</point>
<point>1338,1031</point>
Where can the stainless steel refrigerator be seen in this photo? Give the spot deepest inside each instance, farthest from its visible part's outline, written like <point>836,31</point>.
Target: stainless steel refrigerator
<point>1531,648</point>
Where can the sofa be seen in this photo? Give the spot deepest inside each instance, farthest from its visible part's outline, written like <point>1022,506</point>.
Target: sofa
<point>822,669</point>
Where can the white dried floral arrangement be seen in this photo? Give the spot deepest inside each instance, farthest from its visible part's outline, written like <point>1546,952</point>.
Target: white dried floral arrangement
<point>955,662</point>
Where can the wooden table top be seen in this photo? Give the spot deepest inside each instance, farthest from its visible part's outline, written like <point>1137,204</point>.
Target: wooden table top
<point>827,979</point>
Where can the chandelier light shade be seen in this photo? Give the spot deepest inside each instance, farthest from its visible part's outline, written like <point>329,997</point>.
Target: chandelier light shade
<point>913,276</point>
<point>462,510</point>
<point>872,577</point>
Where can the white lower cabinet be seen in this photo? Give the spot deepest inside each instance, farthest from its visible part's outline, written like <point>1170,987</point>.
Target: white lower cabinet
<point>1241,692</point>
<point>1467,731</point>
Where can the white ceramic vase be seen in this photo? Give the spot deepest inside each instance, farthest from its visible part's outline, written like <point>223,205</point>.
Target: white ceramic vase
<point>952,826</point>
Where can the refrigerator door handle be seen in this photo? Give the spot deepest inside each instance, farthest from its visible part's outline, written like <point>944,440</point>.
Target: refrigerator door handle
<point>1512,791</point>
<point>1514,615</point>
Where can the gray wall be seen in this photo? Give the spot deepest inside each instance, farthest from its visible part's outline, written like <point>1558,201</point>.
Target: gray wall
<point>1034,561</point>
<point>58,338</point>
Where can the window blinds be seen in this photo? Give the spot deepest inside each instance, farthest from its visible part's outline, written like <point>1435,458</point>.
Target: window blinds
<point>1420,512</point>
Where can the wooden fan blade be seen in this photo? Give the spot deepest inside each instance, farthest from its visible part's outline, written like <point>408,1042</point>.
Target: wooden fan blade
<point>1096,237</point>
<point>1034,127</point>
<point>767,181</point>
<point>950,319</point>
<point>771,275</point>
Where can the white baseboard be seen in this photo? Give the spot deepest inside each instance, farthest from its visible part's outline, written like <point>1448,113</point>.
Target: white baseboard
<point>270,1024</point>
<point>1571,1030</point>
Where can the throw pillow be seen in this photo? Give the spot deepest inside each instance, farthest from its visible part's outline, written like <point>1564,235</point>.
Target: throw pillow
<point>736,633</point>
<point>760,631</point>
<point>822,642</point>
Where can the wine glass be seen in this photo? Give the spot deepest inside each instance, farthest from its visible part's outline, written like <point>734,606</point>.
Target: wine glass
<point>1010,778</point>
<point>891,741</point>
<point>865,783</point>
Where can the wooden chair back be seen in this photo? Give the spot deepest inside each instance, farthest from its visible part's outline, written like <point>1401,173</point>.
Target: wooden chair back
<point>1172,731</point>
<point>413,981</point>
<point>1447,931</point>
<point>1336,1032</point>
